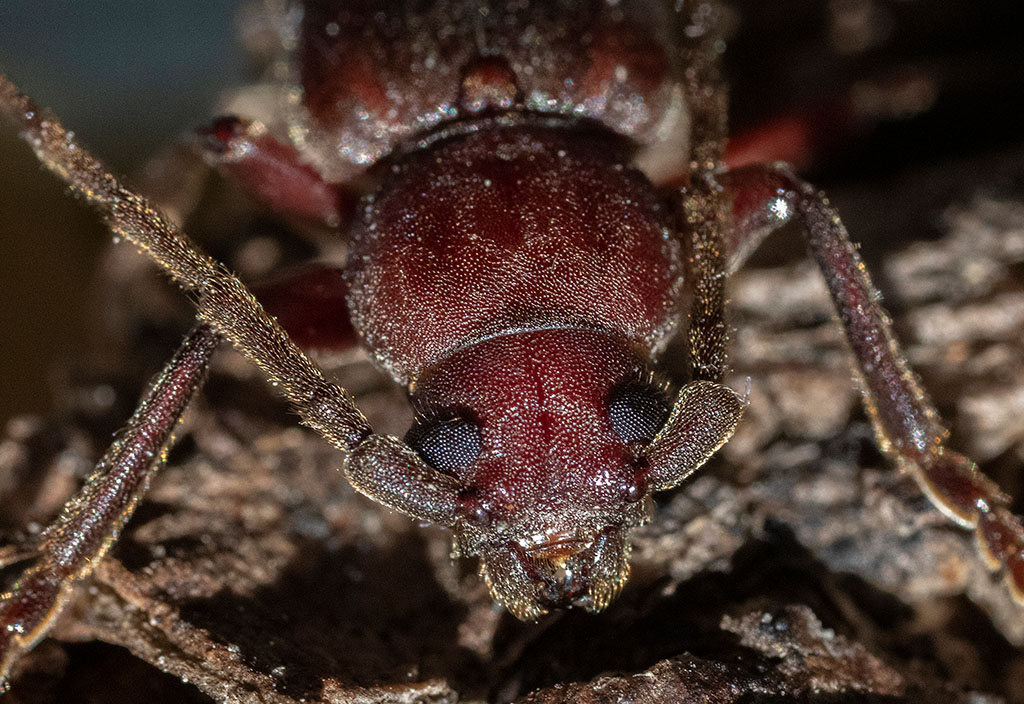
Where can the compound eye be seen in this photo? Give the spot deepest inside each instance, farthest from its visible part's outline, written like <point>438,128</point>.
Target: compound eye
<point>637,411</point>
<point>448,445</point>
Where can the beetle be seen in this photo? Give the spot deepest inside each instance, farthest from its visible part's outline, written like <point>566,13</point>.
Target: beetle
<point>591,178</point>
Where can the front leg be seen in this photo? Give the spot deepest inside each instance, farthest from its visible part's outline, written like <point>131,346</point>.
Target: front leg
<point>907,426</point>
<point>90,522</point>
<point>271,173</point>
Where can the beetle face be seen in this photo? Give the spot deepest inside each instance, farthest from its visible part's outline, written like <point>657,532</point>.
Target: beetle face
<point>544,431</point>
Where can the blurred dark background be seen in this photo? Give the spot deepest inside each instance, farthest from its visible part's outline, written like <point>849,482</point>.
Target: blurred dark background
<point>128,77</point>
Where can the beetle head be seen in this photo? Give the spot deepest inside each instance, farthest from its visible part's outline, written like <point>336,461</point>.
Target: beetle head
<point>544,431</point>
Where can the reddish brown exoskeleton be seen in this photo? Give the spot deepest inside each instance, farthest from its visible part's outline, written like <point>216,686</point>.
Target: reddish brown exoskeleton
<point>541,185</point>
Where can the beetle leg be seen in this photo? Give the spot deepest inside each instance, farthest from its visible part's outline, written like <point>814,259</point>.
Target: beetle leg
<point>270,171</point>
<point>90,522</point>
<point>308,300</point>
<point>907,426</point>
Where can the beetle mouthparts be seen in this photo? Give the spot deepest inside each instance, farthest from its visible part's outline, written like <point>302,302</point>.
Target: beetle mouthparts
<point>557,570</point>
<point>555,547</point>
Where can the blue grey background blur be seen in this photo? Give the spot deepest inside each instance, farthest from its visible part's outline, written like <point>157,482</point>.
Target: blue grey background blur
<point>126,77</point>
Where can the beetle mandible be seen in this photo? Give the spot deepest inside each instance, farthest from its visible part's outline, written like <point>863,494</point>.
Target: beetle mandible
<point>540,186</point>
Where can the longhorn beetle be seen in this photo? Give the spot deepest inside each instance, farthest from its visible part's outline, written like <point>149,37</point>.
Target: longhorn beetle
<point>535,187</point>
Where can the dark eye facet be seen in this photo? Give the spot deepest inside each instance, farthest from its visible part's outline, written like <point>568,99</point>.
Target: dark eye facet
<point>637,411</point>
<point>446,445</point>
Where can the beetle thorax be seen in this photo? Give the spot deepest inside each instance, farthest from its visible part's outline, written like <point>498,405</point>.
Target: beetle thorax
<point>505,230</point>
